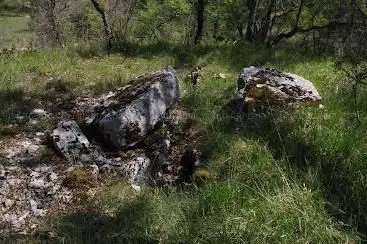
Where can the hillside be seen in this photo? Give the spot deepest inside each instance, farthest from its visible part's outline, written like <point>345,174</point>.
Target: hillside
<point>285,176</point>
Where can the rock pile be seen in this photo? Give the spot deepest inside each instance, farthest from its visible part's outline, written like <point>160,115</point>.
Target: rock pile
<point>120,120</point>
<point>124,132</point>
<point>27,193</point>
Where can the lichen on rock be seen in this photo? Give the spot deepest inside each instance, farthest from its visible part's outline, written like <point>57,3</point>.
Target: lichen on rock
<point>269,86</point>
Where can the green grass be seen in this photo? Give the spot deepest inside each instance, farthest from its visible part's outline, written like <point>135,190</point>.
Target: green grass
<point>292,177</point>
<point>14,30</point>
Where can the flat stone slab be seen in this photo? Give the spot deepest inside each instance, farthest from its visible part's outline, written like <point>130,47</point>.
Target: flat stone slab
<point>128,115</point>
<point>270,86</point>
<point>71,143</point>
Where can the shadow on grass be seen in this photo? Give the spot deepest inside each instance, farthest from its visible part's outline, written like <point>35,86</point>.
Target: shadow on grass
<point>334,154</point>
<point>128,226</point>
<point>12,11</point>
<point>322,148</point>
<point>57,96</point>
<point>13,102</point>
<point>235,56</point>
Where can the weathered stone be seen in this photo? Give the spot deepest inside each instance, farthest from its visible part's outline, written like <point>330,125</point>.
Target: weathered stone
<point>137,169</point>
<point>43,169</point>
<point>37,183</point>
<point>40,134</point>
<point>220,76</point>
<point>9,203</point>
<point>73,145</point>
<point>127,116</point>
<point>53,176</point>
<point>270,86</point>
<point>39,113</point>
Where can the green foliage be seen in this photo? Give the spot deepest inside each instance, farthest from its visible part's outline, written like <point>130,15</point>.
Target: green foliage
<point>156,19</point>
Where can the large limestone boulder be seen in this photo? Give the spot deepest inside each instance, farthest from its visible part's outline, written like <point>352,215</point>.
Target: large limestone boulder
<point>270,86</point>
<point>127,116</point>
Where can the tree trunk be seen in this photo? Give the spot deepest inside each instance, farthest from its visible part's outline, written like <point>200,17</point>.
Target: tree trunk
<point>266,25</point>
<point>106,27</point>
<point>200,20</point>
<point>251,5</point>
<point>52,20</point>
<point>240,31</point>
<point>215,30</point>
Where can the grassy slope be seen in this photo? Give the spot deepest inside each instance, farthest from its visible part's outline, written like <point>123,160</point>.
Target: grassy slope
<point>290,177</point>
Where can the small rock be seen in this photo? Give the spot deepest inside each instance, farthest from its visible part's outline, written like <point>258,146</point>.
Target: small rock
<point>53,176</point>
<point>43,169</point>
<point>136,187</point>
<point>95,169</point>
<point>20,118</point>
<point>66,197</point>
<point>69,169</point>
<point>40,134</point>
<point>220,76</point>
<point>33,204</point>
<point>2,174</point>
<point>9,203</point>
<point>84,158</point>
<point>137,169</point>
<point>39,113</point>
<point>37,183</point>
<point>13,168</point>
<point>29,148</point>
<point>33,122</point>
<point>32,148</point>
<point>36,211</point>
<point>34,174</point>
<point>13,182</point>
<point>15,220</point>
<point>91,192</point>
<point>4,189</point>
<point>54,189</point>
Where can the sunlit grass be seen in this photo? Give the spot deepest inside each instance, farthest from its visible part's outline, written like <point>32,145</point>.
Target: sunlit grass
<point>14,30</point>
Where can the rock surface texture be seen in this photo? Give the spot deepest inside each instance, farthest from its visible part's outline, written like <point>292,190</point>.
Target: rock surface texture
<point>270,86</point>
<point>127,116</point>
<point>73,145</point>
